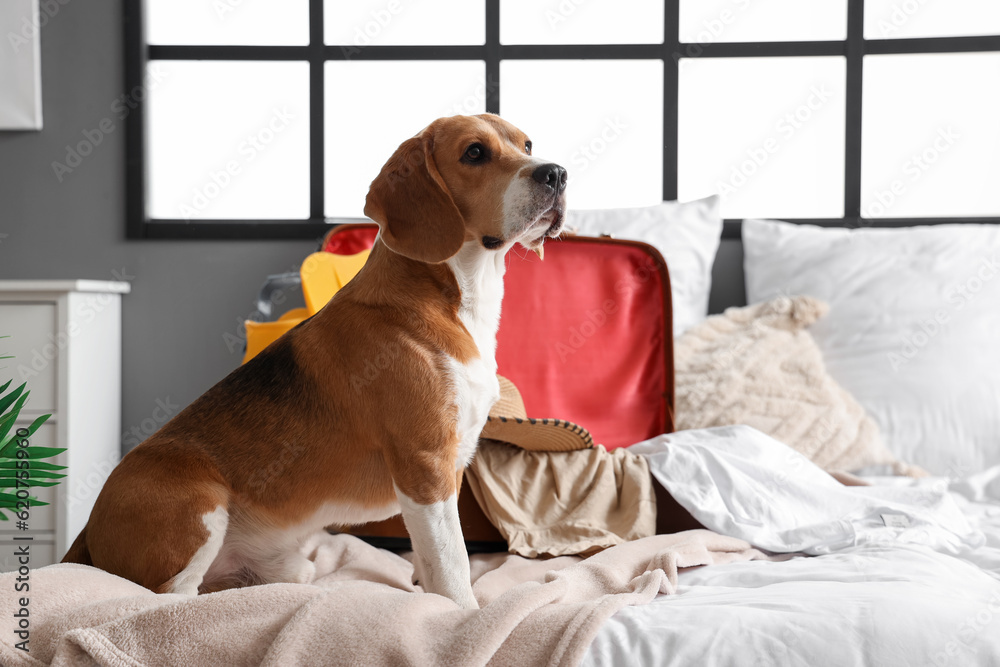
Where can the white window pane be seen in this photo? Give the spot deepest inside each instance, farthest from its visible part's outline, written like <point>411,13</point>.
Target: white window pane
<point>228,140</point>
<point>710,21</point>
<point>575,22</point>
<point>891,19</point>
<point>765,133</point>
<point>373,107</point>
<point>242,22</point>
<point>600,119</point>
<point>930,135</point>
<point>358,23</point>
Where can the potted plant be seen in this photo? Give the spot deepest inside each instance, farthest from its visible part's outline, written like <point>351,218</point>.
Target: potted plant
<point>22,465</point>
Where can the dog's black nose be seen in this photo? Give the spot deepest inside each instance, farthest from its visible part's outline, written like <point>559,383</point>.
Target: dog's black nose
<point>551,175</point>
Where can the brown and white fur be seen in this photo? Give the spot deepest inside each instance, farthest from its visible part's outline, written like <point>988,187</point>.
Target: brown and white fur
<point>303,436</point>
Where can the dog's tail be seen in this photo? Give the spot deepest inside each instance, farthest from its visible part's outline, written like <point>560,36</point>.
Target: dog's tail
<point>79,553</point>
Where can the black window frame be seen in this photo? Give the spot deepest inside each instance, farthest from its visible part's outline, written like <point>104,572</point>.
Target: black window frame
<point>854,47</point>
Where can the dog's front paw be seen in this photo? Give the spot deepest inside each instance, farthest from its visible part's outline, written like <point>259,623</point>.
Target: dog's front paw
<point>467,600</point>
<point>304,572</point>
<point>290,568</point>
<point>462,596</point>
<point>457,589</point>
<point>418,572</point>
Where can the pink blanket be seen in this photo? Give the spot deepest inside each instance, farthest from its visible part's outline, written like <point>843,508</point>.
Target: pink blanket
<point>361,609</point>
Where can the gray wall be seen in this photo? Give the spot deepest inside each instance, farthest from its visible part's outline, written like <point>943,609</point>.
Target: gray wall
<point>187,297</point>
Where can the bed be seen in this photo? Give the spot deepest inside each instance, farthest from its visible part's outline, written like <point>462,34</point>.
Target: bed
<point>902,332</point>
<point>912,592</point>
<point>872,351</point>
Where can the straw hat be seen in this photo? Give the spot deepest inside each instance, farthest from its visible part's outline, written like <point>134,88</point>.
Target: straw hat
<point>508,422</point>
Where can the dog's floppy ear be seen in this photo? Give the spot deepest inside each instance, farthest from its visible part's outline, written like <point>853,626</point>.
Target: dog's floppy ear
<point>411,203</point>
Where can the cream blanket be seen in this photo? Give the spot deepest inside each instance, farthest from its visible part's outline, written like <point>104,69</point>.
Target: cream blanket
<point>360,610</point>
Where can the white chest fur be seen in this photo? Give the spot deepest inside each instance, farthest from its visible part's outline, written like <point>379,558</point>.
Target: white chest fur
<point>480,279</point>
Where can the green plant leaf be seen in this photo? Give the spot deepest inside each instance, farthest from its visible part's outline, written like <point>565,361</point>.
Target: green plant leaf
<point>35,465</point>
<point>35,424</point>
<point>32,474</point>
<point>9,501</point>
<point>7,449</point>
<point>43,452</point>
<point>6,401</point>
<point>7,421</point>
<point>6,483</point>
<point>6,384</point>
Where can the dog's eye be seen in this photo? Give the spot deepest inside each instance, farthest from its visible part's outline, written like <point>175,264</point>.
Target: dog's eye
<point>527,147</point>
<point>474,153</point>
<point>492,242</point>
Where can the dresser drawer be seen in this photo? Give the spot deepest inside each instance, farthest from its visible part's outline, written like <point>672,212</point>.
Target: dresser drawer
<point>35,346</point>
<point>41,552</point>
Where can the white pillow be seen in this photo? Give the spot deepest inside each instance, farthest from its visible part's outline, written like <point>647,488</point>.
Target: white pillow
<point>913,330</point>
<point>686,234</point>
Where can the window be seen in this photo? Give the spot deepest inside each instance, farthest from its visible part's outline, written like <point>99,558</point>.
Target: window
<point>268,118</point>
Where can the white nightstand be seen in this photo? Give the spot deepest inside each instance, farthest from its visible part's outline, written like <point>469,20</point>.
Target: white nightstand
<point>65,336</point>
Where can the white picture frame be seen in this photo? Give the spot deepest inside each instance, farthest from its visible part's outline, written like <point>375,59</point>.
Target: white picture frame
<point>20,65</point>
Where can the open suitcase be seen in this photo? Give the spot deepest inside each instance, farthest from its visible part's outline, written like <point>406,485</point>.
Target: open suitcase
<point>585,337</point>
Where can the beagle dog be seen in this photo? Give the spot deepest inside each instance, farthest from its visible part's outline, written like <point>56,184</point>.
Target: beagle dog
<point>302,436</point>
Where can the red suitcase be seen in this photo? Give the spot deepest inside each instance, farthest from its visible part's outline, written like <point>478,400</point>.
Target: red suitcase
<point>585,335</point>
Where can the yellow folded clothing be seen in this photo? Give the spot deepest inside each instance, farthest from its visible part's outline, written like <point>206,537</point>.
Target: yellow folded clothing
<point>563,503</point>
<point>322,274</point>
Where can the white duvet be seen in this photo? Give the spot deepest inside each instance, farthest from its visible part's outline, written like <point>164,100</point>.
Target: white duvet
<point>922,590</point>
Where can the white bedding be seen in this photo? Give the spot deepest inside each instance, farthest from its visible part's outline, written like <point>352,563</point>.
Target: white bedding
<point>927,594</point>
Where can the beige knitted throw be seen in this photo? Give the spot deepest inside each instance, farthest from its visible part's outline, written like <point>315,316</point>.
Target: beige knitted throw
<point>757,365</point>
